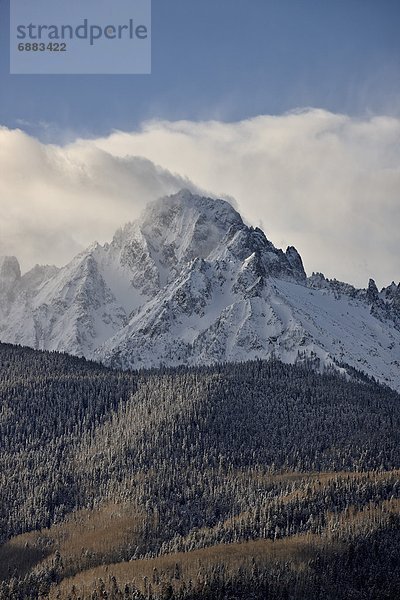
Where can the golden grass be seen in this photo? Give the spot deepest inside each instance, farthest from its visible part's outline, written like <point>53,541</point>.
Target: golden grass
<point>356,520</point>
<point>84,536</point>
<point>89,538</point>
<point>298,550</point>
<point>319,478</point>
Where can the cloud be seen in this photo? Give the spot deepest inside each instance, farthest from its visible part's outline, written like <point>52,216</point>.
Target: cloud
<point>327,183</point>
<point>55,201</point>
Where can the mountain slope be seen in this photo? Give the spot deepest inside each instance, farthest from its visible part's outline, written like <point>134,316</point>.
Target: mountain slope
<point>75,433</point>
<point>100,467</point>
<point>191,283</point>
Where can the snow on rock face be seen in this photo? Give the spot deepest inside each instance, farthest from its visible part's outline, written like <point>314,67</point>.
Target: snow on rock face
<point>10,275</point>
<point>190,283</point>
<point>184,226</point>
<point>372,291</point>
<point>10,271</point>
<point>295,261</point>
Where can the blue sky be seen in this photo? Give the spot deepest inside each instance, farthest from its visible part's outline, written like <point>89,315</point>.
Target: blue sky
<point>225,60</point>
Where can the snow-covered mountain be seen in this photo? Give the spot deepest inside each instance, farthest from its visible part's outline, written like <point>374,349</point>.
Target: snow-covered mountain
<point>191,283</point>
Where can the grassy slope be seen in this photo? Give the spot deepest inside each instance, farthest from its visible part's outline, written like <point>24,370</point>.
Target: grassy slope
<point>89,541</point>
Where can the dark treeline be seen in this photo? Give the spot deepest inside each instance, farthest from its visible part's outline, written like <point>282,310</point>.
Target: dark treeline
<point>205,456</point>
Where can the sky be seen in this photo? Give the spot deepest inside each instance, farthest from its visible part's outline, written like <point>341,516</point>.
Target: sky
<point>290,107</point>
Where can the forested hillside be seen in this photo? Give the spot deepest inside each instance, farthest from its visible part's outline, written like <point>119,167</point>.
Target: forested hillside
<point>252,480</point>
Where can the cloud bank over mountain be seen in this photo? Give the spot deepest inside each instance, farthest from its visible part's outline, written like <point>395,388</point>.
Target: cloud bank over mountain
<point>327,183</point>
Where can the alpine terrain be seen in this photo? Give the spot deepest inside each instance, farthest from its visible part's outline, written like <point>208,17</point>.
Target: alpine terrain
<point>190,283</point>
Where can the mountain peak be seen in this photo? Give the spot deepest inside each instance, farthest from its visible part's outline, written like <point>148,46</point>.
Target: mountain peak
<point>372,291</point>
<point>185,199</point>
<point>185,226</point>
<point>190,283</point>
<point>295,261</point>
<point>184,206</point>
